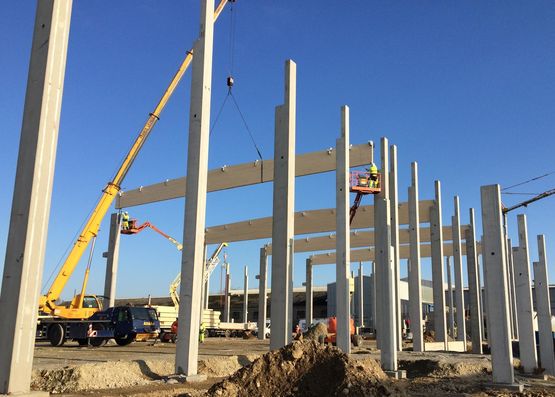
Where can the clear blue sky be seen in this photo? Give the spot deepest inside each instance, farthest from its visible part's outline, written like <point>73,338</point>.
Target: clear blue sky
<point>467,89</point>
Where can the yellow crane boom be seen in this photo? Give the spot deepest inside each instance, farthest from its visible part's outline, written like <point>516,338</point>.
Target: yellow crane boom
<point>47,302</point>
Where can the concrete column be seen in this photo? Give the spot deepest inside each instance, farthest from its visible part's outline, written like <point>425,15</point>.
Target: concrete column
<point>227,293</point>
<point>512,294</point>
<point>394,197</point>
<point>283,211</point>
<point>309,293</point>
<point>526,336</point>
<point>436,226</point>
<point>497,296</point>
<point>343,244</point>
<point>23,266</point>
<point>373,297</point>
<point>192,265</point>
<point>360,296</point>
<point>450,298</point>
<point>112,259</point>
<point>457,267</point>
<point>262,293</point>
<point>543,305</point>
<point>415,293</point>
<point>246,296</point>
<point>385,282</point>
<point>473,287</point>
<point>206,293</point>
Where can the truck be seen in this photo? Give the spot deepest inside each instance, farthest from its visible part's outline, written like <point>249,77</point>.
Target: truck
<point>124,324</point>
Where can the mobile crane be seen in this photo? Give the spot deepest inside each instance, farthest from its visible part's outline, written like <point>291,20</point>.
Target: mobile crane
<point>77,309</point>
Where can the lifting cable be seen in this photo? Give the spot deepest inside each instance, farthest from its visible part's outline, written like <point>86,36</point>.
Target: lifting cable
<point>527,181</point>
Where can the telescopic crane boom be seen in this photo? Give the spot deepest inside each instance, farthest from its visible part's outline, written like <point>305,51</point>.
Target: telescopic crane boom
<point>47,303</point>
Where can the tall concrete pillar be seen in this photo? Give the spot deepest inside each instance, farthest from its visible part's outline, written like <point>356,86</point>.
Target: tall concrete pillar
<point>497,297</point>
<point>309,293</point>
<point>360,302</point>
<point>450,298</point>
<point>343,245</point>
<point>415,293</point>
<point>373,297</point>
<point>436,231</point>
<point>23,266</point>
<point>526,336</point>
<point>385,283</point>
<point>192,266</point>
<point>227,295</point>
<point>246,296</point>
<point>473,286</point>
<point>262,293</point>
<point>394,204</point>
<point>457,267</point>
<point>283,211</point>
<point>543,305</point>
<point>512,294</point>
<point>112,259</point>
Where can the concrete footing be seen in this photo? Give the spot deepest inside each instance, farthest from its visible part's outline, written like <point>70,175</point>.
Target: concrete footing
<point>516,387</point>
<point>399,374</point>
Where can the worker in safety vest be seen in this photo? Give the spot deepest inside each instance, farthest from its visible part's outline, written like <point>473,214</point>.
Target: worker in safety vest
<point>201,332</point>
<point>373,171</point>
<point>125,221</point>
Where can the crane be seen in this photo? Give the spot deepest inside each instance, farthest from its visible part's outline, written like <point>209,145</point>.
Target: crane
<point>47,302</point>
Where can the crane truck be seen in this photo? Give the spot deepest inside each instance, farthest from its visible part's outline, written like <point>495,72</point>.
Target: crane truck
<point>84,306</point>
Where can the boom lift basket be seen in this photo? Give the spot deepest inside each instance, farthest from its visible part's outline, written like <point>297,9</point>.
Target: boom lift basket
<point>360,182</point>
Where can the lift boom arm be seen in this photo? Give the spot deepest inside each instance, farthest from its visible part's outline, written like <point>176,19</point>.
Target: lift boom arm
<point>47,302</point>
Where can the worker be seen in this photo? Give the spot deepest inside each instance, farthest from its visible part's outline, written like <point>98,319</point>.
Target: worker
<point>201,332</point>
<point>373,171</point>
<point>125,221</point>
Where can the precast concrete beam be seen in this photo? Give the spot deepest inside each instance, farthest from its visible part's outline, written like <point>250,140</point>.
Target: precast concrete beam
<point>523,289</point>
<point>473,287</point>
<point>543,304</point>
<point>497,296</point>
<point>343,266</point>
<point>262,293</point>
<point>27,234</point>
<point>112,260</point>
<point>283,224</point>
<point>192,262</point>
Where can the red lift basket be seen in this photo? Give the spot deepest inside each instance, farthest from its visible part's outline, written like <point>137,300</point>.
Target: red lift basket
<point>133,229</point>
<point>360,183</point>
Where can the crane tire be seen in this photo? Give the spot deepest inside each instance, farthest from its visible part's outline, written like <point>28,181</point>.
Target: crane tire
<point>56,334</point>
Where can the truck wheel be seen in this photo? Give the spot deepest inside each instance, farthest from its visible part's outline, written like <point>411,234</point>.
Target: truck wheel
<point>97,342</point>
<point>125,340</point>
<point>56,335</point>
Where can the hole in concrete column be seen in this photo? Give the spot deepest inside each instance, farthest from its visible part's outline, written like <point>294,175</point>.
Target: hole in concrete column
<point>282,157</point>
<point>43,25</point>
<point>493,253</point>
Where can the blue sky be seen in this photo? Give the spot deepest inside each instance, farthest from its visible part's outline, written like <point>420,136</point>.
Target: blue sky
<point>467,89</point>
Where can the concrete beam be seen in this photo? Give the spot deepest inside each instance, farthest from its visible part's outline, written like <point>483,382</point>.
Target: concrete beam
<point>24,263</point>
<point>474,287</point>
<point>306,222</point>
<point>457,267</point>
<point>497,296</point>
<point>262,293</point>
<point>543,304</point>
<point>229,177</point>
<point>112,259</point>
<point>192,262</point>
<point>282,226</point>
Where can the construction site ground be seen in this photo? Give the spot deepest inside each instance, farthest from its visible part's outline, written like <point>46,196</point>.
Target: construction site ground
<point>142,369</point>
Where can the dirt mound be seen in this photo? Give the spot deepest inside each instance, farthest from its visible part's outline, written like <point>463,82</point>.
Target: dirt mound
<point>429,336</point>
<point>315,332</point>
<point>443,368</point>
<point>306,368</point>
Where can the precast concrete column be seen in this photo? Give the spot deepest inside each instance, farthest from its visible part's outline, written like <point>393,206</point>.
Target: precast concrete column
<point>457,270</point>
<point>485,293</point>
<point>493,249</point>
<point>415,293</point>
<point>283,211</point>
<point>192,275</point>
<point>543,305</point>
<point>373,296</point>
<point>360,296</point>
<point>112,260</point>
<point>473,286</point>
<point>450,298</point>
<point>246,296</point>
<point>436,233</point>
<point>394,205</point>
<point>23,266</point>
<point>526,335</point>
<point>262,293</point>
<point>385,282</point>
<point>343,245</point>
<point>512,293</point>
<point>227,295</point>
<point>309,293</point>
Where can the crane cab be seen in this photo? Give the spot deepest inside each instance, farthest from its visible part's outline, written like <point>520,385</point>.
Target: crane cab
<point>361,182</point>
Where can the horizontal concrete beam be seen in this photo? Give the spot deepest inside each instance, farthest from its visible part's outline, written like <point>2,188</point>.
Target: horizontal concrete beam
<point>362,239</point>
<point>306,222</point>
<point>367,254</point>
<point>228,177</point>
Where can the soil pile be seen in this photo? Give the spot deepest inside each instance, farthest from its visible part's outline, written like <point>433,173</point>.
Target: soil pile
<point>429,336</point>
<point>306,368</point>
<point>316,332</point>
